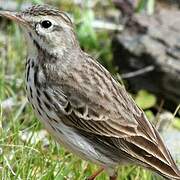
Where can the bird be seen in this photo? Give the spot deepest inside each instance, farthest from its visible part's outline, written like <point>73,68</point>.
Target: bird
<point>80,103</point>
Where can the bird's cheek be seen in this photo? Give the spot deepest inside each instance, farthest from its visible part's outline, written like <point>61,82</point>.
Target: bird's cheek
<point>53,40</point>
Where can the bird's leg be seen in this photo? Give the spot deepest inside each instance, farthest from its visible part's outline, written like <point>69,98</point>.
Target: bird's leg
<point>112,173</point>
<point>95,174</point>
<point>113,177</point>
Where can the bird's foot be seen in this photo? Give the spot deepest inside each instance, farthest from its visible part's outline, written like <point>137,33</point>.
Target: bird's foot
<point>93,177</point>
<point>113,177</point>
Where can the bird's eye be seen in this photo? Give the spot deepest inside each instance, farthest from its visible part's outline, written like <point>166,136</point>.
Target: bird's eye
<point>46,24</point>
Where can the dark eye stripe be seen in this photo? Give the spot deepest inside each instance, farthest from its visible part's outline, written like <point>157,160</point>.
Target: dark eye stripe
<point>57,28</point>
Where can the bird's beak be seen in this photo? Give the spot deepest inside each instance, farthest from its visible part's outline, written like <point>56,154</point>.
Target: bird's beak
<point>13,16</point>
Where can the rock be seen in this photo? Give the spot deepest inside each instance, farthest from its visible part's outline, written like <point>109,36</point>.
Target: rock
<point>151,56</point>
<point>172,141</point>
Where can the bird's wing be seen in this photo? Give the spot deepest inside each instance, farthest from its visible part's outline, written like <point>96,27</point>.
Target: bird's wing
<point>96,104</point>
<point>88,118</point>
<point>138,140</point>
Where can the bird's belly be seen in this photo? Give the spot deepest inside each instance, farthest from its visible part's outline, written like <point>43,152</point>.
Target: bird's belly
<point>78,145</point>
<point>71,140</point>
<point>65,135</point>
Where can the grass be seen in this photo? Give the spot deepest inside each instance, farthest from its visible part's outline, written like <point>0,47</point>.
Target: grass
<point>33,157</point>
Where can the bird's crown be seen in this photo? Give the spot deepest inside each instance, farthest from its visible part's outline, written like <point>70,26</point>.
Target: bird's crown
<point>46,10</point>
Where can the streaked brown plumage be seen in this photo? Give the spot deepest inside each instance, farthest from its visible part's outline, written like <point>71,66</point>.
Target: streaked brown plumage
<point>80,103</point>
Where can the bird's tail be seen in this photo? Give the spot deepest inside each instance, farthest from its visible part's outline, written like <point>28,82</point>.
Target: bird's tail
<point>162,162</point>
<point>151,152</point>
<point>156,157</point>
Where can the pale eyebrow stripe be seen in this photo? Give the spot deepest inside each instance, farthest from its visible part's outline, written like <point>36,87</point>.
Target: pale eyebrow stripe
<point>65,17</point>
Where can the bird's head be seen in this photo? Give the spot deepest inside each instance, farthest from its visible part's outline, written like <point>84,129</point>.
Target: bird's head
<point>46,28</point>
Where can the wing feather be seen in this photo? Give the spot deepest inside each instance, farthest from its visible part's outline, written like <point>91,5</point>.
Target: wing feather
<point>106,112</point>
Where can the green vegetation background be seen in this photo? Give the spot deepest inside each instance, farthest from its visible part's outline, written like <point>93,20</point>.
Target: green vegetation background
<point>26,151</point>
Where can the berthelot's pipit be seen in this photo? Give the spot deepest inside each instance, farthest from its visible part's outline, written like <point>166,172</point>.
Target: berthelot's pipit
<point>80,103</point>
